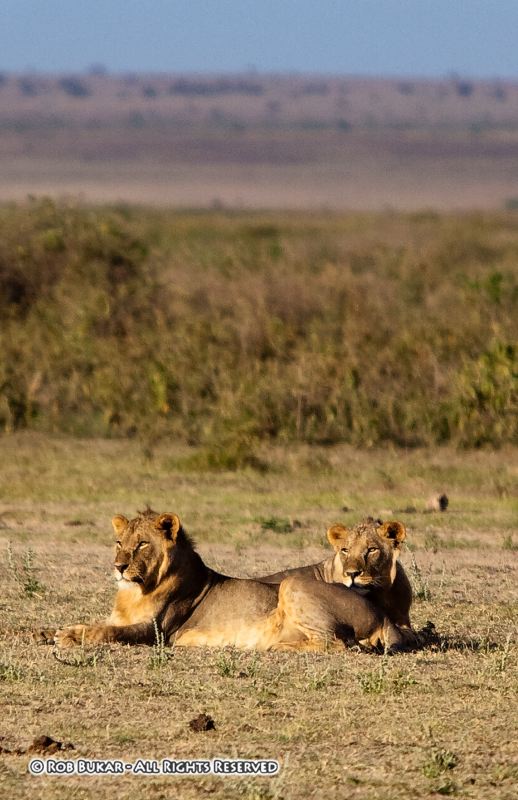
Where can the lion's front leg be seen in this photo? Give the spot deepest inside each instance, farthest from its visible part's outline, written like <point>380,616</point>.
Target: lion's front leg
<point>143,633</point>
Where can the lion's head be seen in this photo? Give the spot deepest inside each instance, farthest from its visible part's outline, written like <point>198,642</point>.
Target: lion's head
<point>365,555</point>
<point>145,548</point>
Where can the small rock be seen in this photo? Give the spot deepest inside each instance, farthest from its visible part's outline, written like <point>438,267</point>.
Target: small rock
<point>202,723</point>
<point>246,727</point>
<point>48,745</point>
<point>437,502</point>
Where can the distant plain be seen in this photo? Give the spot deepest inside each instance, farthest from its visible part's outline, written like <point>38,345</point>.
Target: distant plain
<point>252,141</point>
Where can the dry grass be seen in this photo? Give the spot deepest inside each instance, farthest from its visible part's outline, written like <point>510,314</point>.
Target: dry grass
<point>441,721</point>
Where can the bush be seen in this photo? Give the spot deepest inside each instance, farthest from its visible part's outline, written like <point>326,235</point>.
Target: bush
<point>231,330</point>
<point>74,87</point>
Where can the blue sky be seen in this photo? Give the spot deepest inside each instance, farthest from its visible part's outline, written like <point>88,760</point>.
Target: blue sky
<point>367,37</point>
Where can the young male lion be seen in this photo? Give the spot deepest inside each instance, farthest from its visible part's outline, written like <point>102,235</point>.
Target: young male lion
<point>365,560</point>
<point>163,584</point>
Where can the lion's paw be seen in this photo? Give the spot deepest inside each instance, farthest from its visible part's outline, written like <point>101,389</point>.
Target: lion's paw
<point>44,635</point>
<point>70,636</point>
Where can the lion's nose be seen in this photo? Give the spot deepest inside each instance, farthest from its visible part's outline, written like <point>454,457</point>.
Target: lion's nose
<point>121,567</point>
<point>352,574</point>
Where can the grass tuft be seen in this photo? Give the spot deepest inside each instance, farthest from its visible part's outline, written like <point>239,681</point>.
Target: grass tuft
<point>10,672</point>
<point>420,586</point>
<point>24,572</point>
<point>160,654</point>
<point>277,524</point>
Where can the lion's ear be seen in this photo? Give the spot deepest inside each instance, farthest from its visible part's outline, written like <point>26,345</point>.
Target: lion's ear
<point>395,531</point>
<point>119,523</point>
<point>169,524</point>
<point>336,534</point>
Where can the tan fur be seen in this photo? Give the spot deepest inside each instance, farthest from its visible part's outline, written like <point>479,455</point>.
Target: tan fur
<point>164,585</point>
<point>371,550</point>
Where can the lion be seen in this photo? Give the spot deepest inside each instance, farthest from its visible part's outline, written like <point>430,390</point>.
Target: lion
<point>365,560</point>
<point>166,590</point>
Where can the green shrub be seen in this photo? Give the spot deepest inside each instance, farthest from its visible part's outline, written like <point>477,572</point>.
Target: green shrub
<point>229,330</point>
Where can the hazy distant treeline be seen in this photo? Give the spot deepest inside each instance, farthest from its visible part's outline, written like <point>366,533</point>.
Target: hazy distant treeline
<point>254,100</point>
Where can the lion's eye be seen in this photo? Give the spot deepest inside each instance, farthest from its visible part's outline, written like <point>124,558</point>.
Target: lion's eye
<point>373,550</point>
<point>118,544</point>
<point>345,550</point>
<point>142,545</point>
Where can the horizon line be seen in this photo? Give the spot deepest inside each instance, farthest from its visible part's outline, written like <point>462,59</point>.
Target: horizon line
<point>102,71</point>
